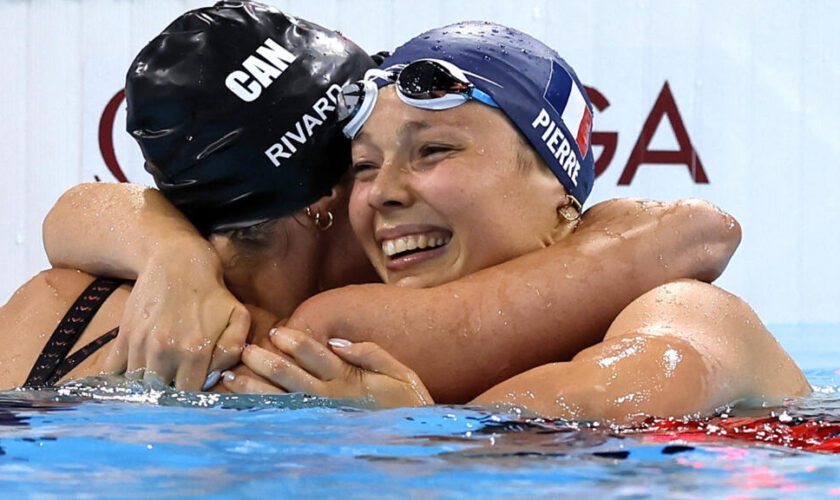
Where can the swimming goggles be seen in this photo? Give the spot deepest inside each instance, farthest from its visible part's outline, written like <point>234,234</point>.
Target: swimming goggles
<point>425,83</point>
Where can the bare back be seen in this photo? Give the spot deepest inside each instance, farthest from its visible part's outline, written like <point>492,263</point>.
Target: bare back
<point>34,311</point>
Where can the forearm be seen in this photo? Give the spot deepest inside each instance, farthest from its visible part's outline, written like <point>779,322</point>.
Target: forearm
<point>464,337</point>
<point>690,239</point>
<point>115,229</point>
<point>617,381</point>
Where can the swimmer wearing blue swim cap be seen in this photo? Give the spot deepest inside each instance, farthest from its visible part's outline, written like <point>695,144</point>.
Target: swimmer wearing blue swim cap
<point>500,67</point>
<point>567,313</point>
<point>234,108</point>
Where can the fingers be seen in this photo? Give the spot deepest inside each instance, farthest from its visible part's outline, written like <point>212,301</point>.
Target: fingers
<point>212,379</point>
<point>154,357</point>
<point>171,324</point>
<point>192,373</point>
<point>162,367</point>
<point>136,352</point>
<point>308,353</point>
<point>371,357</point>
<point>117,359</point>
<point>228,349</point>
<point>280,370</point>
<point>242,381</point>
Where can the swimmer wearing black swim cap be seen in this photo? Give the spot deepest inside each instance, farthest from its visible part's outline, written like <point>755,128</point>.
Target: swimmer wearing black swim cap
<point>233,107</point>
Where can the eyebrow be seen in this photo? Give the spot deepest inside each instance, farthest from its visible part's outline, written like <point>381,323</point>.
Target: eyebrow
<point>412,127</point>
<point>405,129</point>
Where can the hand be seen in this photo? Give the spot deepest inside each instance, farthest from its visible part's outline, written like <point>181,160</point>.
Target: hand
<point>179,315</point>
<point>342,370</point>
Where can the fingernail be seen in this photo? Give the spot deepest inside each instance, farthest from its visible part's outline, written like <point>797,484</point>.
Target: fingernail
<point>229,376</point>
<point>339,343</point>
<point>212,379</point>
<point>273,332</point>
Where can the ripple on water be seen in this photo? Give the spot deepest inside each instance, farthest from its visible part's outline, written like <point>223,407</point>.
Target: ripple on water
<point>125,438</point>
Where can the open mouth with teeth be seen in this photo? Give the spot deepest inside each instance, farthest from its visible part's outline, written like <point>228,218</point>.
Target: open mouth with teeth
<point>414,244</point>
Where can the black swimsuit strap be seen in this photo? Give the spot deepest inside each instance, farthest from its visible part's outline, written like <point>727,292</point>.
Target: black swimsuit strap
<point>69,330</point>
<point>80,355</point>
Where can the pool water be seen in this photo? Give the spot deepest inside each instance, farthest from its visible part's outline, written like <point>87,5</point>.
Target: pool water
<point>131,441</point>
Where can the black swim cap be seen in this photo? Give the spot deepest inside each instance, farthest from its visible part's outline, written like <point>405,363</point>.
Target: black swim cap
<point>234,109</point>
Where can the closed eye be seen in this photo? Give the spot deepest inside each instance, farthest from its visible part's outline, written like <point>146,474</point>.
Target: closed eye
<point>435,149</point>
<point>363,169</point>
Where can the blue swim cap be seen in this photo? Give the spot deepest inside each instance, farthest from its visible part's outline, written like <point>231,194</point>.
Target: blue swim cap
<point>531,83</point>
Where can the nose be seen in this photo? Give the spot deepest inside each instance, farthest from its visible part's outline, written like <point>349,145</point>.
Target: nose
<point>391,187</point>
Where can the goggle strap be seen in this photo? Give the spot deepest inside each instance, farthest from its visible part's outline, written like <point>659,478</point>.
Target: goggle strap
<point>371,92</point>
<point>483,97</point>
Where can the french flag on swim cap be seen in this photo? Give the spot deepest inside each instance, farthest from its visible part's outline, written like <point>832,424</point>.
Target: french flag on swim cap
<point>566,97</point>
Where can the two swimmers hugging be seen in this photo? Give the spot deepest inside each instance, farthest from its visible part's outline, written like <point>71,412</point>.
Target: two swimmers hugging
<point>424,244</point>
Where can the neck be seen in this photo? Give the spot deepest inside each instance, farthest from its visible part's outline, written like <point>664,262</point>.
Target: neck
<point>345,262</point>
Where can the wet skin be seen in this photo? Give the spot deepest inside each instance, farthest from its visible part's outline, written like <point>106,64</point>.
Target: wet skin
<point>682,348</point>
<point>591,386</point>
<point>456,176</point>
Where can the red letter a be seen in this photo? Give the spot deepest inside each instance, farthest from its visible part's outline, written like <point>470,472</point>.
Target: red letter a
<point>686,155</point>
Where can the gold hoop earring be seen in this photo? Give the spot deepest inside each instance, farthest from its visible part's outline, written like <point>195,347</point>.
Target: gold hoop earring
<point>318,221</point>
<point>572,201</point>
<point>324,226</point>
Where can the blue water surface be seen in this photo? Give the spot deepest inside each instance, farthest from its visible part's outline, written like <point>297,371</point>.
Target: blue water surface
<point>138,442</point>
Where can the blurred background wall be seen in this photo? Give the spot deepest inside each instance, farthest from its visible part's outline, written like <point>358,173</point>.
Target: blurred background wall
<point>735,102</point>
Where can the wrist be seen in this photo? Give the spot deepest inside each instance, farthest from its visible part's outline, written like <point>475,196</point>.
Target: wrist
<point>184,253</point>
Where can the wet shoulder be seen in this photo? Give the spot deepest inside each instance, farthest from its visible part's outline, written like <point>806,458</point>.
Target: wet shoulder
<point>30,316</point>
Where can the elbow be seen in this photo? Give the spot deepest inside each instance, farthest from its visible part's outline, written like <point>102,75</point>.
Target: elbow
<point>57,220</point>
<point>727,230</point>
<point>719,237</point>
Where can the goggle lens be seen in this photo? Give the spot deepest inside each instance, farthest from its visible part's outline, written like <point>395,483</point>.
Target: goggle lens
<point>425,83</point>
<point>426,79</point>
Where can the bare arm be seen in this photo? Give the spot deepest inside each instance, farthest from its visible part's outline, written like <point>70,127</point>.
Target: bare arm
<point>120,230</point>
<point>682,348</point>
<point>466,336</point>
<point>179,306</point>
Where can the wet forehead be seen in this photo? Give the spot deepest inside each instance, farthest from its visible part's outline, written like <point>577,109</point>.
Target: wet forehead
<point>404,119</point>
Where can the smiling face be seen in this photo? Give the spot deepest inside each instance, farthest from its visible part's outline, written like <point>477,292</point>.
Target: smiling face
<point>442,194</point>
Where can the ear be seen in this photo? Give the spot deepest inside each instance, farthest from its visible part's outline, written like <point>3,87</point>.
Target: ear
<point>327,203</point>
<point>554,190</point>
<point>569,208</point>
<point>563,200</point>
<point>224,247</point>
